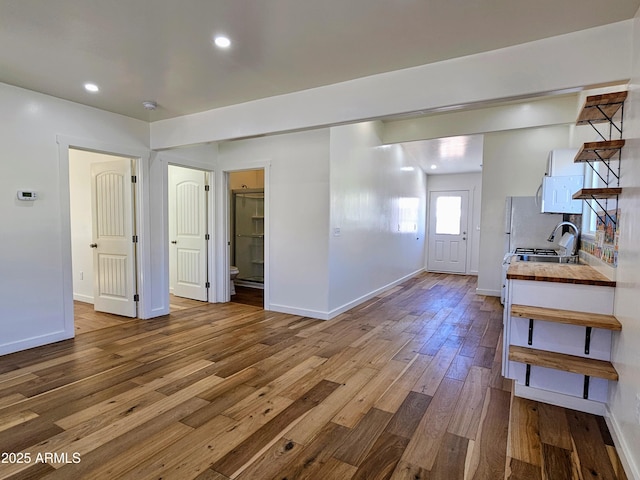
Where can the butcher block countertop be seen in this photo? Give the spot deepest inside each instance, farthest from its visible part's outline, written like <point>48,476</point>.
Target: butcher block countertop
<point>557,272</point>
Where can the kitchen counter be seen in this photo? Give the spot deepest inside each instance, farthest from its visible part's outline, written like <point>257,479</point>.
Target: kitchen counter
<point>557,272</point>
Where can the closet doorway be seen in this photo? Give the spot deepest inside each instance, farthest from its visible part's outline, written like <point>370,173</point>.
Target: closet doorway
<point>188,191</point>
<point>102,193</point>
<point>247,228</point>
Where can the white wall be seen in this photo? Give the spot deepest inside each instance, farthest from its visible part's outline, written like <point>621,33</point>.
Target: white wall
<point>535,112</point>
<point>297,219</point>
<point>513,163</point>
<point>246,179</point>
<point>624,397</point>
<point>34,255</point>
<point>367,186</point>
<point>512,72</point>
<point>473,183</point>
<point>82,219</point>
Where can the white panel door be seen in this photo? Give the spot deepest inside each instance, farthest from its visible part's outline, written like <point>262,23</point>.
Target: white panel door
<point>114,250</point>
<point>448,220</point>
<point>187,233</point>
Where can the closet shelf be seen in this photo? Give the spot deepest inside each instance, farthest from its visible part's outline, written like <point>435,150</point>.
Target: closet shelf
<point>601,108</point>
<point>598,151</point>
<point>593,193</point>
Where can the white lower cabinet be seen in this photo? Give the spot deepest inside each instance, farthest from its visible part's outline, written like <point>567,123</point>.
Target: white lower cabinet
<point>561,334</point>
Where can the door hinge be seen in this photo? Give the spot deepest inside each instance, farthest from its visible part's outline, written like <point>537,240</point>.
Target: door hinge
<point>136,298</point>
<point>206,188</point>
<point>207,236</point>
<point>134,179</point>
<point>207,285</point>
<point>135,239</point>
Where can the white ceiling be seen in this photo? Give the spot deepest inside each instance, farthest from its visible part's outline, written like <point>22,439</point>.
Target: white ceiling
<point>161,50</point>
<point>462,154</point>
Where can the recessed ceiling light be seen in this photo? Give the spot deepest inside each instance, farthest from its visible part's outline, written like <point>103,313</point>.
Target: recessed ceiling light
<point>91,87</point>
<point>407,169</point>
<point>222,41</point>
<point>433,167</point>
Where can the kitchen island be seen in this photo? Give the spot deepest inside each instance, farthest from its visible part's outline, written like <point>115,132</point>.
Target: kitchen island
<point>558,327</point>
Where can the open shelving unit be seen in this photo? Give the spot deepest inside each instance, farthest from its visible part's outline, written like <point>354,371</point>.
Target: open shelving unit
<point>601,108</point>
<point>605,109</point>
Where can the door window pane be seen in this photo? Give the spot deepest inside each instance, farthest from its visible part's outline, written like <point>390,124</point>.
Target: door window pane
<point>448,212</point>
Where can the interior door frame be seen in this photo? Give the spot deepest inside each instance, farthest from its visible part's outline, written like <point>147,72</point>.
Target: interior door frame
<point>210,208</point>
<point>223,225</point>
<point>468,242</point>
<point>127,167</point>
<point>140,159</point>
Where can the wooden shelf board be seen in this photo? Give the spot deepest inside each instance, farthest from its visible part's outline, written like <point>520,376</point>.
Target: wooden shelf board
<point>562,361</point>
<point>583,319</point>
<point>590,193</point>
<point>609,103</point>
<point>605,150</point>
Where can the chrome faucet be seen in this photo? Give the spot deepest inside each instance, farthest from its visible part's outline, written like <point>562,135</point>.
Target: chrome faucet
<point>569,224</point>
<point>574,244</point>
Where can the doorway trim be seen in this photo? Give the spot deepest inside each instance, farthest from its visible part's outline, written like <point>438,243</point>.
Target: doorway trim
<point>210,202</point>
<point>162,160</point>
<point>140,160</point>
<point>224,227</point>
<point>465,225</point>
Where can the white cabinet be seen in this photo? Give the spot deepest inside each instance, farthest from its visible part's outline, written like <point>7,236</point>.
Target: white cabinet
<point>565,335</point>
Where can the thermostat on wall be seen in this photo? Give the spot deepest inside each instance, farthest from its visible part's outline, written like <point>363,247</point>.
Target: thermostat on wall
<point>27,195</point>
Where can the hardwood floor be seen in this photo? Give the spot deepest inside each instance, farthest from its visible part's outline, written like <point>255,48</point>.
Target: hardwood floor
<point>88,320</point>
<point>248,296</point>
<point>406,386</point>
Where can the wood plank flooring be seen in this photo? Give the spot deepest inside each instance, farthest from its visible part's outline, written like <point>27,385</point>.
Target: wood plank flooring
<point>248,296</point>
<point>406,386</point>
<point>88,320</point>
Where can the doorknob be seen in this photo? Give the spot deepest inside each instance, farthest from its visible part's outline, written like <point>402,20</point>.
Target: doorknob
<point>93,245</point>
<point>174,241</point>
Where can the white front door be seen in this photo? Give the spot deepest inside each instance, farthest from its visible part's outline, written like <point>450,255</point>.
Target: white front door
<point>187,233</point>
<point>448,213</point>
<point>113,242</point>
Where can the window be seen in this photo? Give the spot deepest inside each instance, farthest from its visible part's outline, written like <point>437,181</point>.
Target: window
<point>448,214</point>
<point>589,217</point>
<point>409,208</point>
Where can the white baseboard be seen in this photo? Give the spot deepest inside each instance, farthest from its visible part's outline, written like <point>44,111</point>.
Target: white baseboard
<point>559,399</point>
<point>83,298</point>
<point>348,306</point>
<point>35,341</point>
<point>320,315</point>
<point>488,293</point>
<point>274,307</point>
<point>622,447</point>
